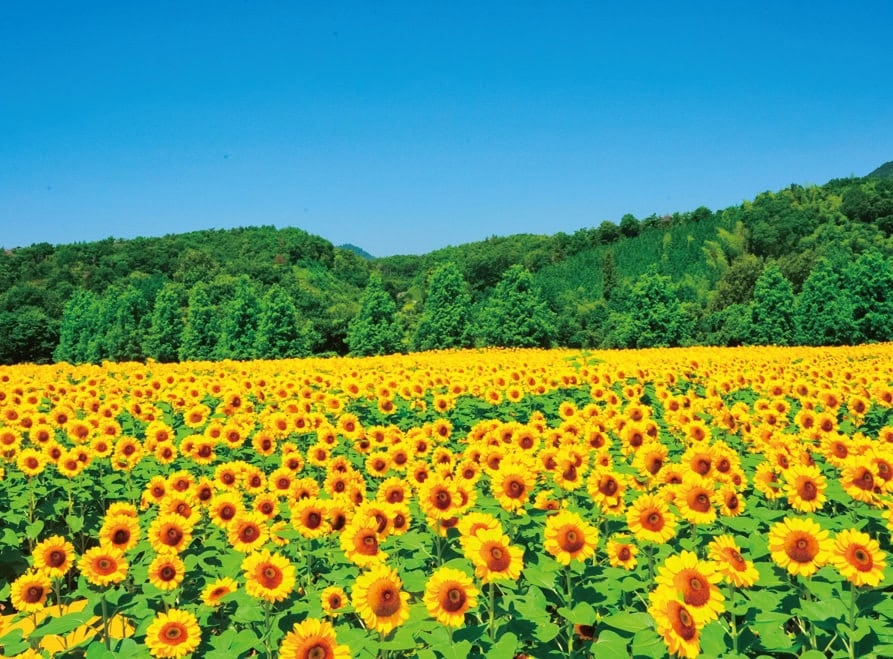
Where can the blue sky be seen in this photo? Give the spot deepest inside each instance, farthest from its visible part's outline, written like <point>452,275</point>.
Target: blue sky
<point>407,126</point>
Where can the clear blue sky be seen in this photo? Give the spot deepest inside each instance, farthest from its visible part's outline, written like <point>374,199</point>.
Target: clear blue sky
<point>407,126</point>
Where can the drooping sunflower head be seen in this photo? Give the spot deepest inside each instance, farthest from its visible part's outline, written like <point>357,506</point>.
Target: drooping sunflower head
<point>726,555</point>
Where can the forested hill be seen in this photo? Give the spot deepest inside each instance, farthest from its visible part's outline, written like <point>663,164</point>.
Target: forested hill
<point>799,265</point>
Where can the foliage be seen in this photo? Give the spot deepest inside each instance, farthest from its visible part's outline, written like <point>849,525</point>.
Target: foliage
<point>374,330</point>
<point>772,311</point>
<point>200,332</point>
<point>280,333</point>
<point>165,332</point>
<point>515,315</point>
<point>446,319</point>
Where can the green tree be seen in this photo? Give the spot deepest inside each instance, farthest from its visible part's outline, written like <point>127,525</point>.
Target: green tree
<point>773,309</point>
<point>374,330</point>
<point>29,336</point>
<point>165,332</point>
<point>200,332</point>
<point>870,281</point>
<point>629,226</point>
<point>823,313</point>
<point>609,275</point>
<point>446,319</point>
<point>515,315</point>
<point>656,317</point>
<point>238,327</point>
<point>81,329</point>
<point>280,333</point>
<point>124,314</point>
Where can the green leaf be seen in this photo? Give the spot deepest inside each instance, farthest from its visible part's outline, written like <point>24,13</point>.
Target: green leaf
<point>582,614</point>
<point>13,643</point>
<point>33,529</point>
<point>628,622</point>
<point>64,624</point>
<point>647,643</point>
<point>75,522</point>
<point>538,577</point>
<point>610,646</point>
<point>546,631</point>
<point>713,639</point>
<point>813,654</point>
<point>505,647</point>
<point>458,650</point>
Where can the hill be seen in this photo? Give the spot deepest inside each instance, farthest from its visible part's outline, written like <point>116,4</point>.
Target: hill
<point>884,171</point>
<point>709,262</point>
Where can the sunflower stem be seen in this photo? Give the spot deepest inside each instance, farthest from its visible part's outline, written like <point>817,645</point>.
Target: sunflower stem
<point>851,647</point>
<point>492,611</point>
<point>569,603</point>
<point>105,622</point>
<point>267,630</point>
<point>649,552</point>
<point>733,623</point>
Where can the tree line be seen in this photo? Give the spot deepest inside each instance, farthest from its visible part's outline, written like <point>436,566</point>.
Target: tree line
<point>803,265</point>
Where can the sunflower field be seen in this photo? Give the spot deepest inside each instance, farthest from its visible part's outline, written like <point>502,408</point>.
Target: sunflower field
<point>733,502</point>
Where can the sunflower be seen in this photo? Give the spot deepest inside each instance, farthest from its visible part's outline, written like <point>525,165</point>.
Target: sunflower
<point>333,599</point>
<point>805,488</point>
<point>438,498</point>
<point>31,462</point>
<point>511,485</point>
<point>53,556</point>
<point>308,516</point>
<point>119,531</point>
<point>393,490</point>
<point>605,487</point>
<point>29,592</point>
<point>169,533</point>
<point>493,556</point>
<point>621,552</point>
<point>360,542</point>
<point>649,518</point>
<point>312,639</point>
<point>569,537</point>
<point>675,623</point>
<point>224,508</point>
<point>694,498</point>
<point>694,582</point>
<point>858,557</point>
<point>858,479</point>
<point>726,555</point>
<point>166,571</point>
<point>449,594</point>
<point>470,524</point>
<point>379,599</point>
<point>268,576</point>
<point>103,565</point>
<point>173,634</point>
<point>799,545</point>
<point>217,589</point>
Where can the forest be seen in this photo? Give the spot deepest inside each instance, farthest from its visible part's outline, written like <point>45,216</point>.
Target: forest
<point>803,265</point>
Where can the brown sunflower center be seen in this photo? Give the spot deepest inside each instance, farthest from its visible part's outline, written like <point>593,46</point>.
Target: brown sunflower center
<point>699,501</point>
<point>808,491</point>
<point>572,540</point>
<point>369,544</point>
<point>624,554</point>
<point>105,566</point>
<point>318,651</point>
<point>514,489</point>
<point>385,600</point>
<point>702,466</point>
<point>453,599</point>
<point>174,633</point>
<point>33,594</point>
<point>335,601</point>
<point>683,624</point>
<point>249,533</point>
<point>865,480</point>
<point>167,573</point>
<point>56,558</point>
<point>442,500</point>
<point>172,536</point>
<point>608,486</point>
<point>801,548</point>
<point>653,521</point>
<point>860,558</point>
<point>498,559</point>
<point>313,520</point>
<point>270,576</point>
